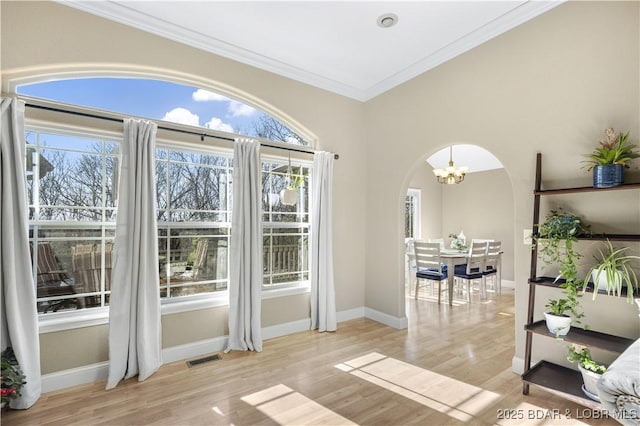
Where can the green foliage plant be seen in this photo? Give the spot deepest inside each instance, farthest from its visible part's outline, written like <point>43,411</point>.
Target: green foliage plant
<point>614,149</point>
<point>613,265</point>
<point>295,181</point>
<point>457,243</point>
<point>583,357</point>
<point>556,237</point>
<point>12,377</point>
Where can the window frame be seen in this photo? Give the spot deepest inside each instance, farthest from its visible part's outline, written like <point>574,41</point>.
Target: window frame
<point>414,197</point>
<point>66,320</point>
<point>103,226</point>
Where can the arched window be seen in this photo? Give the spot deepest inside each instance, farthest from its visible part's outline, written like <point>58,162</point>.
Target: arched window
<point>72,178</point>
<point>166,101</point>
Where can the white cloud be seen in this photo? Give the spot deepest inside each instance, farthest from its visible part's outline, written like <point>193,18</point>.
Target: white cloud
<point>217,124</point>
<point>182,116</point>
<point>237,109</point>
<point>201,95</point>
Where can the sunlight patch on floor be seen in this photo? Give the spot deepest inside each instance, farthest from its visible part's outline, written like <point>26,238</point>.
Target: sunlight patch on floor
<point>286,407</point>
<point>218,411</point>
<point>450,396</point>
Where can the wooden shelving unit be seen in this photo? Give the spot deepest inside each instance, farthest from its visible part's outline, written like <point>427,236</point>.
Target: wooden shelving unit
<point>554,378</point>
<point>584,337</point>
<point>559,380</point>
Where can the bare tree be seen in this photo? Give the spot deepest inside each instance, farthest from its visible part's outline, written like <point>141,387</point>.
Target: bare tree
<point>269,128</point>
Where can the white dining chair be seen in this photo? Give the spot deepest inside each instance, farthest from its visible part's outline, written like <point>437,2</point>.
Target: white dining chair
<point>465,275</point>
<point>492,265</point>
<point>429,265</point>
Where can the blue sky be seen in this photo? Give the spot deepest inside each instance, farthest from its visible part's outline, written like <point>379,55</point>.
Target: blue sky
<point>154,99</point>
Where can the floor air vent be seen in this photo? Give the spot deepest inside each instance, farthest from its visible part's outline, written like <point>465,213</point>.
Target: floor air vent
<point>198,361</point>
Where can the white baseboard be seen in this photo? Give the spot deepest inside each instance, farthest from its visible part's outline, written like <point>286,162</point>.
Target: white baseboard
<point>280,330</point>
<point>350,314</point>
<point>386,319</point>
<point>192,350</point>
<point>100,371</point>
<point>517,365</point>
<point>75,376</point>
<point>508,284</point>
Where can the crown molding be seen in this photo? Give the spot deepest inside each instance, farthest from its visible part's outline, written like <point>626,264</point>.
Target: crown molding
<point>133,18</point>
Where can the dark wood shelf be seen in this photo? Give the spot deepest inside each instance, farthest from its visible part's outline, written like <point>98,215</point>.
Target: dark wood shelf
<point>584,337</point>
<point>551,282</point>
<point>581,189</point>
<point>560,381</point>
<point>610,237</point>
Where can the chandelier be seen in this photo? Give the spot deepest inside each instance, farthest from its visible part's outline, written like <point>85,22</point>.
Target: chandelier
<point>450,175</point>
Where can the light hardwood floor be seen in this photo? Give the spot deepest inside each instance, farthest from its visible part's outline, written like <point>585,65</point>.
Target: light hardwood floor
<point>451,366</point>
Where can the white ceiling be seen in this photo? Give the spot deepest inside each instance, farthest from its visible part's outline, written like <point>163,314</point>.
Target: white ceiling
<point>336,46</point>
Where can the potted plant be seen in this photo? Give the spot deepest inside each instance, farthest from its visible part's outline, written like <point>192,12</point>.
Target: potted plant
<point>458,242</point>
<point>609,160</point>
<point>590,369</point>
<point>612,271</point>
<point>12,377</point>
<point>556,237</point>
<point>289,195</point>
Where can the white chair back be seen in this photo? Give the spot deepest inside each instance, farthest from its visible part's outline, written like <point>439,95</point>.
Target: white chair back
<point>427,255</point>
<point>476,258</point>
<point>493,254</point>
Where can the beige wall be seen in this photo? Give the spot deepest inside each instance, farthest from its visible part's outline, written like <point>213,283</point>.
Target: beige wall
<point>482,207</point>
<point>551,85</point>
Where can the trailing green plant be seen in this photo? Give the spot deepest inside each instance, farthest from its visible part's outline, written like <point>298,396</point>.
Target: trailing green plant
<point>613,265</point>
<point>583,357</point>
<point>556,238</point>
<point>614,149</point>
<point>12,377</point>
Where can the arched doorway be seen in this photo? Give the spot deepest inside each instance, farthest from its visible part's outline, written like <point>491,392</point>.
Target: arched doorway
<point>481,206</point>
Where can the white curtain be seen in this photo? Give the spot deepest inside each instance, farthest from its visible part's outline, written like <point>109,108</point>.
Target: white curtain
<point>245,273</point>
<point>134,306</point>
<point>323,298</point>
<point>17,294</point>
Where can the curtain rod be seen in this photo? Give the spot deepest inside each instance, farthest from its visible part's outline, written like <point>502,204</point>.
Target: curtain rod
<point>188,132</point>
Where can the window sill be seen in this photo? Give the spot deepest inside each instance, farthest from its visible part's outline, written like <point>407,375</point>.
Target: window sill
<point>60,321</point>
<point>290,290</point>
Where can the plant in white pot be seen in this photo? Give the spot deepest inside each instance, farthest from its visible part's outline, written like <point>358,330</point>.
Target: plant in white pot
<point>612,271</point>
<point>590,369</point>
<point>556,237</point>
<point>289,195</point>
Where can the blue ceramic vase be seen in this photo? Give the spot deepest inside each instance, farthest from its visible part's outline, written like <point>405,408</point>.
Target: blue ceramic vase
<point>608,175</point>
